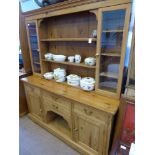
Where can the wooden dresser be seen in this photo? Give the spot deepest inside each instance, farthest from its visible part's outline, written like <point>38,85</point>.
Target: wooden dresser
<point>81,119</point>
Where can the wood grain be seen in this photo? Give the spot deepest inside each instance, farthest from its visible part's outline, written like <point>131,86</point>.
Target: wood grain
<point>87,98</point>
<point>73,8</point>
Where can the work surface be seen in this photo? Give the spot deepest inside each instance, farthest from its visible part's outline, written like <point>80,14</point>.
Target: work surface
<point>92,99</point>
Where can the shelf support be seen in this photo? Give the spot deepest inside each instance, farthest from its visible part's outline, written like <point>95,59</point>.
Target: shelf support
<point>95,12</point>
<point>39,22</point>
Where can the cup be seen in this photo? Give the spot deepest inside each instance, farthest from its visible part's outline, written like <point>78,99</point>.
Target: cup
<point>77,58</point>
<point>71,58</point>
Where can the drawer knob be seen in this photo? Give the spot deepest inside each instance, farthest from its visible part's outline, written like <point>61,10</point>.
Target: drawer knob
<point>55,106</point>
<point>88,112</point>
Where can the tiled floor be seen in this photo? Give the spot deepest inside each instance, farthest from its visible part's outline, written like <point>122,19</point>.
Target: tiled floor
<point>35,140</point>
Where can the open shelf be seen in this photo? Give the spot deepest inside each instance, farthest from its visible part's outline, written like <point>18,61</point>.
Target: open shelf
<point>68,39</point>
<point>58,123</point>
<point>61,125</point>
<point>112,54</point>
<point>70,63</point>
<point>65,83</point>
<point>109,74</point>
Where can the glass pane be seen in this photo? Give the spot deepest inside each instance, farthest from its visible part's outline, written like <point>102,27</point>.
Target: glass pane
<point>108,84</point>
<point>111,42</point>
<point>109,71</point>
<point>34,46</point>
<point>111,45</point>
<point>37,67</point>
<point>113,20</point>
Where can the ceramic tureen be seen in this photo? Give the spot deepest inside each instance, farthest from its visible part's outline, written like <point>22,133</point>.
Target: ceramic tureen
<point>60,74</point>
<point>87,83</point>
<point>73,80</point>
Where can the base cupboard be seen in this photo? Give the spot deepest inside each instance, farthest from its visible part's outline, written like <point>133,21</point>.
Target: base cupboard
<point>71,114</point>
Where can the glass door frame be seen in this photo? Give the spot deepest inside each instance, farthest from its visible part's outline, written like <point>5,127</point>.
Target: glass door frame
<point>127,7</point>
<point>30,51</point>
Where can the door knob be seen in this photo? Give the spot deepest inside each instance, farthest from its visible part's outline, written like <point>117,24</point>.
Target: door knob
<point>97,54</point>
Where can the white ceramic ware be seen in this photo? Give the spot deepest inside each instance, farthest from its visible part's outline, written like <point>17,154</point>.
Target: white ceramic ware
<point>90,61</point>
<point>60,71</point>
<point>60,74</point>
<point>48,75</point>
<point>94,33</point>
<point>59,58</point>
<point>48,56</point>
<point>61,79</point>
<point>71,58</point>
<point>87,83</point>
<point>73,80</point>
<point>77,58</point>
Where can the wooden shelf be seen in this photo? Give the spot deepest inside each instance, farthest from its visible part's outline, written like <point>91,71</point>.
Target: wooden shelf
<point>109,74</point>
<point>38,63</point>
<point>71,63</point>
<point>33,35</point>
<point>59,124</point>
<point>108,89</point>
<point>91,98</point>
<point>112,54</point>
<point>68,39</point>
<point>35,49</point>
<point>66,84</point>
<point>112,30</point>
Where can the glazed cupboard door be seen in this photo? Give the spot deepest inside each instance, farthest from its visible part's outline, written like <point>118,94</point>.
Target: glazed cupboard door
<point>111,47</point>
<point>89,134</point>
<point>34,101</point>
<point>32,34</point>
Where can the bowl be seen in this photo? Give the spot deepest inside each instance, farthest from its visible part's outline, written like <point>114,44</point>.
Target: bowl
<point>90,61</point>
<point>59,58</point>
<point>48,75</point>
<point>48,56</point>
<point>87,83</point>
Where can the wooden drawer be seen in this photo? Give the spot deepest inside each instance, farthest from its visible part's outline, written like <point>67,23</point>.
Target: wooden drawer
<point>32,89</point>
<point>90,112</point>
<point>56,103</point>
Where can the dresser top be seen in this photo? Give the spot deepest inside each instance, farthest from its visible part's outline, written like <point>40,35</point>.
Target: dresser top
<point>92,99</point>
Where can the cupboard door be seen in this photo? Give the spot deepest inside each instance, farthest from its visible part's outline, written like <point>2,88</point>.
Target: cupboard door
<point>33,46</point>
<point>111,47</point>
<point>34,101</point>
<point>89,134</point>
